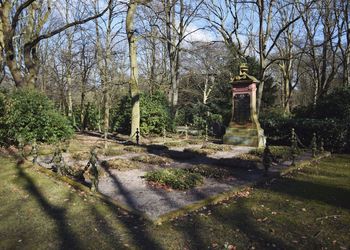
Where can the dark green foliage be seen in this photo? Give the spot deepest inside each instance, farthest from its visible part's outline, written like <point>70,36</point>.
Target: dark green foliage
<point>198,115</point>
<point>30,115</point>
<point>155,114</point>
<point>175,178</point>
<point>91,117</point>
<point>330,119</point>
<point>209,171</point>
<point>279,153</point>
<point>335,105</point>
<point>121,116</point>
<point>333,131</point>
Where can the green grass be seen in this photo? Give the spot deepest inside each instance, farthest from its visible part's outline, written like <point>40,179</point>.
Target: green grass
<point>307,210</point>
<point>200,151</point>
<point>79,156</point>
<point>121,164</point>
<point>176,143</point>
<point>152,159</point>
<point>135,149</point>
<point>217,147</point>
<point>210,171</point>
<point>175,178</point>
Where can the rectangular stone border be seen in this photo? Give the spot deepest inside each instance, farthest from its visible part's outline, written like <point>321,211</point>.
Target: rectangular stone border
<point>186,209</point>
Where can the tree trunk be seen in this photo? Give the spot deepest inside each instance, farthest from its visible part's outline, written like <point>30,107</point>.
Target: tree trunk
<point>134,86</point>
<point>8,45</point>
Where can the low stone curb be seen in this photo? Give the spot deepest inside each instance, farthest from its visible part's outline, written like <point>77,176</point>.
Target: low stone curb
<point>186,209</point>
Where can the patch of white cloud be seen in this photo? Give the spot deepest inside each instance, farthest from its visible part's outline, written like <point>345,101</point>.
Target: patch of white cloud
<point>194,33</point>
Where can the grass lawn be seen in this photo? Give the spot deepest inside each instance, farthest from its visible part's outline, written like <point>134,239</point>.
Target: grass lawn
<point>307,210</point>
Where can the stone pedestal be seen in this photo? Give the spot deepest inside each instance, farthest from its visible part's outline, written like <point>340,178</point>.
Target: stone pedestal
<point>244,128</point>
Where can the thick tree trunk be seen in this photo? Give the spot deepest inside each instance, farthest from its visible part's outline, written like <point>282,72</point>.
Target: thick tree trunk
<point>8,44</point>
<point>134,86</point>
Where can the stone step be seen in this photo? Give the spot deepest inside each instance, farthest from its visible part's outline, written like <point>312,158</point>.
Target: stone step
<point>241,140</point>
<point>242,132</point>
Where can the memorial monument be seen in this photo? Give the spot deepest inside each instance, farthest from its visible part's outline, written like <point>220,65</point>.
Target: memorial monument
<point>244,128</point>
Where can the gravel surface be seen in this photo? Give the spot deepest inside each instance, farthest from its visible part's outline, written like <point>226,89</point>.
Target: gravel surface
<point>130,188</point>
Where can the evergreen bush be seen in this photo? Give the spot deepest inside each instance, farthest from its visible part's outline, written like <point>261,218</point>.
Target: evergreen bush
<point>329,119</point>
<point>155,114</point>
<point>30,115</point>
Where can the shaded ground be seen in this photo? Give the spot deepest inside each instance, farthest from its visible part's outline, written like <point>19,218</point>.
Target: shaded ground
<point>125,184</point>
<point>307,210</point>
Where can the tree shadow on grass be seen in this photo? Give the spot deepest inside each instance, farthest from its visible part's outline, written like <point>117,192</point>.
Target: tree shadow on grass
<point>68,240</point>
<point>135,225</point>
<point>67,237</point>
<point>334,196</point>
<point>243,220</point>
<point>195,230</point>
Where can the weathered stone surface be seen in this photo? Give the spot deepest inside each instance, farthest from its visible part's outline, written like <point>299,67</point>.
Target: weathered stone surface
<point>244,128</point>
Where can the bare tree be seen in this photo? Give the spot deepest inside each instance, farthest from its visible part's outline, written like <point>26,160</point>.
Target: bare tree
<point>322,42</point>
<point>37,16</point>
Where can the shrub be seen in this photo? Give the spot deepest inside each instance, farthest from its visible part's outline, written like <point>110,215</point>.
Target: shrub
<point>155,114</point>
<point>199,151</point>
<point>30,115</point>
<point>175,178</point>
<point>91,117</point>
<point>217,147</point>
<point>120,164</point>
<point>135,149</point>
<point>79,156</point>
<point>279,153</point>
<point>334,132</point>
<point>152,159</point>
<point>330,119</point>
<point>176,143</point>
<point>209,171</point>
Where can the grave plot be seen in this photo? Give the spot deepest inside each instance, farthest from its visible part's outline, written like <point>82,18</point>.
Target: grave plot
<point>164,181</point>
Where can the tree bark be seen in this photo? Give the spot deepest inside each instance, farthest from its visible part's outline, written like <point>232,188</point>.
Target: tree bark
<point>133,82</point>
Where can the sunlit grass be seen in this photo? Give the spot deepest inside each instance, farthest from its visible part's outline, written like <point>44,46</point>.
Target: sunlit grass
<point>307,210</point>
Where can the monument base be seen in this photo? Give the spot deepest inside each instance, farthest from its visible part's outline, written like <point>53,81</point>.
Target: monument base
<point>244,136</point>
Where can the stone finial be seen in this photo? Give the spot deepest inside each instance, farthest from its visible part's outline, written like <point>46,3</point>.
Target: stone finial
<point>243,69</point>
